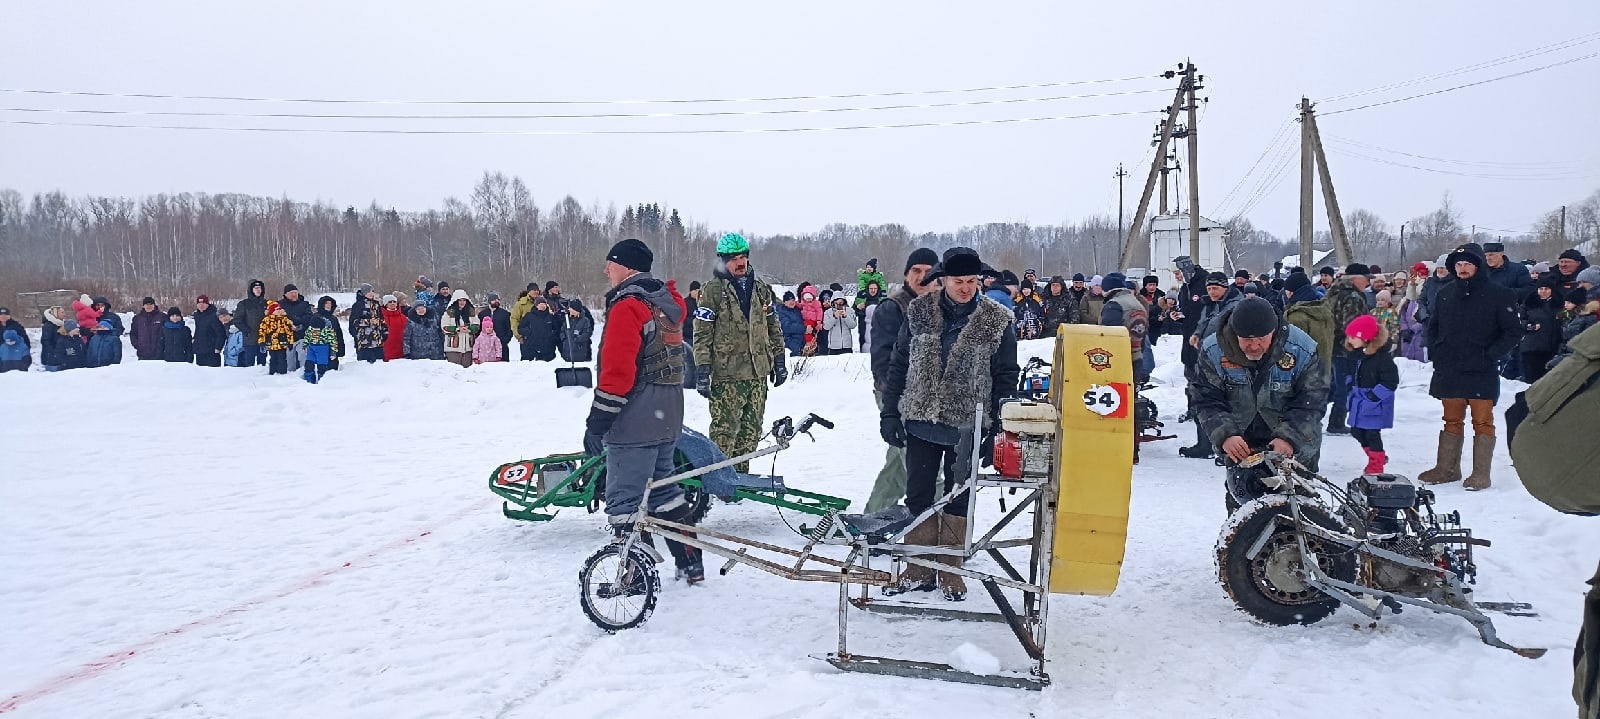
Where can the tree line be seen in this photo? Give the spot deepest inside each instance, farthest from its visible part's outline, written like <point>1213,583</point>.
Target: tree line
<point>176,246</point>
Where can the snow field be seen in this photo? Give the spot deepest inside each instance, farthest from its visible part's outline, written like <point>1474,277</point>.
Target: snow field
<point>264,547</point>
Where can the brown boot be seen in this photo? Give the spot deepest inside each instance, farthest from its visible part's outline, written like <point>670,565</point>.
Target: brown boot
<point>1448,467</point>
<point>953,534</point>
<point>917,578</point>
<point>1482,460</point>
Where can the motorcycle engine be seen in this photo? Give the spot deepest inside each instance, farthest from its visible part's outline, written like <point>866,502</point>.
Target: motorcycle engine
<point>1025,446</point>
<point>1380,502</point>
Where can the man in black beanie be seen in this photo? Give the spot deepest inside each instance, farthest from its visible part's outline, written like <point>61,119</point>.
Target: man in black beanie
<point>890,486</point>
<point>637,413</point>
<point>956,351</point>
<point>1254,347</point>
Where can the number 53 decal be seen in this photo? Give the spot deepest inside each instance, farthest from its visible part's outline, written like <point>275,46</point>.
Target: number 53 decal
<point>1107,400</point>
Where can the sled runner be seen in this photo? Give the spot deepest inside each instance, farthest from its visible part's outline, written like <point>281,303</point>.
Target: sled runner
<point>533,489</point>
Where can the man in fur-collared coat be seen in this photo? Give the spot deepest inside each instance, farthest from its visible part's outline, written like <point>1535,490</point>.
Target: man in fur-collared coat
<point>956,351</point>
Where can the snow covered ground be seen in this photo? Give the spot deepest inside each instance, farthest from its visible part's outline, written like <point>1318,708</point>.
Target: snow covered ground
<point>188,542</point>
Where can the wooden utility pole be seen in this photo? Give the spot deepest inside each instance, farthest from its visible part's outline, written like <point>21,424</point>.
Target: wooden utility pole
<point>1402,242</point>
<point>1341,241</point>
<point>1563,225</point>
<point>1164,136</point>
<point>1307,158</point>
<point>1121,173</point>
<point>1194,162</point>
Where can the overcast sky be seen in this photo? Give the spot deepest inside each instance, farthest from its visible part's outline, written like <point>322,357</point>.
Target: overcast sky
<point>1528,141</point>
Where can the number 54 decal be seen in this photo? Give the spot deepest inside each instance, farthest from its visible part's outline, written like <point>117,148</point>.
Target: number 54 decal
<point>1108,400</point>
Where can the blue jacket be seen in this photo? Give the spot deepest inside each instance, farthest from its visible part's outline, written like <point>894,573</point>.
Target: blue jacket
<point>793,326</point>
<point>234,346</point>
<point>105,349</point>
<point>12,348</point>
<point>999,294</point>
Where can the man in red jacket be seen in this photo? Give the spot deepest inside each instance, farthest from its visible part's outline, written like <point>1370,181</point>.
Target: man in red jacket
<point>637,415</point>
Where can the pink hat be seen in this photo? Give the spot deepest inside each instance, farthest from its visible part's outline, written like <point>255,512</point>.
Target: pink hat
<point>1364,328</point>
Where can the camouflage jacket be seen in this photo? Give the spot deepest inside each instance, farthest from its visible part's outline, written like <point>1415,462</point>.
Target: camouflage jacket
<point>1347,303</point>
<point>1282,396</point>
<point>736,346</point>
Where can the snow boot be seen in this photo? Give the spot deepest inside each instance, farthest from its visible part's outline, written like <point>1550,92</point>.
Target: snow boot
<point>1202,445</point>
<point>1448,467</point>
<point>1375,461</point>
<point>686,558</point>
<point>952,534</point>
<point>1336,419</point>
<point>1482,460</point>
<point>917,578</point>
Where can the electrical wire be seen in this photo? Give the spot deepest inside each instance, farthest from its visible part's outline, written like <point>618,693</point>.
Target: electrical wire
<point>1270,181</point>
<point>1563,175</point>
<point>715,113</point>
<point>1519,73</point>
<point>1468,163</point>
<point>730,131</point>
<point>788,98</point>
<point>1542,50</point>
<point>1272,144</point>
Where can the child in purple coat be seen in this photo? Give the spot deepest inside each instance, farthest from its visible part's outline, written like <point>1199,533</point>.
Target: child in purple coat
<point>1371,401</point>
<point>1413,343</point>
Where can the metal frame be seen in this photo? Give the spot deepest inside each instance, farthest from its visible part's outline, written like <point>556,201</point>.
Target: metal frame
<point>1027,625</point>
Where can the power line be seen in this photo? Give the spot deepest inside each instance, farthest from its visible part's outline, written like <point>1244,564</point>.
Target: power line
<point>743,131</point>
<point>579,116</point>
<point>1520,73</point>
<point>1276,138</point>
<point>1542,50</point>
<point>1562,175</point>
<point>788,98</point>
<point>1469,163</point>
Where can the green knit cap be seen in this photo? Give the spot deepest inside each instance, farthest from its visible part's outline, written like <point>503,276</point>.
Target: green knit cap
<point>733,243</point>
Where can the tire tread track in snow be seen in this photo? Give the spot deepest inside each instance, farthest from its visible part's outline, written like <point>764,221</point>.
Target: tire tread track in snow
<point>118,658</point>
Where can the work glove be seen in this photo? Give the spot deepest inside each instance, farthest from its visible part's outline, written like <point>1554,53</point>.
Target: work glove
<point>893,431</point>
<point>780,371</point>
<point>593,444</point>
<point>702,380</point>
<point>597,425</point>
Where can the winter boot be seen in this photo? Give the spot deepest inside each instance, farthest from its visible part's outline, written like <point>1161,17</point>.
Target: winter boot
<point>1375,461</point>
<point>1336,418</point>
<point>952,534</point>
<point>1448,467</point>
<point>1202,445</point>
<point>1482,460</point>
<point>686,558</point>
<point>917,578</point>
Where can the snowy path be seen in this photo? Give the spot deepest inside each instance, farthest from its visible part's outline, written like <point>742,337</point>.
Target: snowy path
<point>183,542</point>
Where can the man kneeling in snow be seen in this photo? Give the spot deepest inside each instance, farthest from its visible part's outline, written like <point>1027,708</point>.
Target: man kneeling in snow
<point>637,413</point>
<point>1261,384</point>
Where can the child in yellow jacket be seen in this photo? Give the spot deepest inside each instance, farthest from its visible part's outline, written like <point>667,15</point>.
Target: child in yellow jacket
<point>277,335</point>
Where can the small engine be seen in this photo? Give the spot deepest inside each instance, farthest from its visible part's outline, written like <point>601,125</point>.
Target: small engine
<point>1381,502</point>
<point>1025,445</point>
<point>1399,517</point>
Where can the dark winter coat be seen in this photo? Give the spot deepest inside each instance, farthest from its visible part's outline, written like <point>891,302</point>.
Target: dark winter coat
<point>648,410</point>
<point>247,315</point>
<point>1474,323</point>
<point>1430,292</point>
<point>1281,396</point>
<point>209,334</point>
<point>688,327</point>
<point>1056,310</point>
<point>1212,311</point>
<point>948,359</point>
<point>540,331</point>
<point>423,338</point>
<point>1152,301</point>
<point>1542,331</point>
<point>104,350</point>
<point>299,313</point>
<point>1075,304</point>
<point>332,322</point>
<point>500,318</point>
<point>146,334</point>
<point>577,334</point>
<point>66,352</point>
<point>1371,399</point>
<point>1577,325</point>
<point>1347,303</point>
<point>1313,316</point>
<point>886,323</point>
<point>22,332</point>
<point>1030,318</point>
<point>1125,309</point>
<point>793,326</point>
<point>177,342</point>
<point>52,353</point>
<point>1512,276</point>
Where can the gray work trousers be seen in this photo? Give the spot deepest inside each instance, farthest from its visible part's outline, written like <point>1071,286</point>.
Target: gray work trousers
<point>629,469</point>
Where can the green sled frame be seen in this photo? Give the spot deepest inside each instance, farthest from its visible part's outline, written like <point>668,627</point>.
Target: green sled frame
<point>533,490</point>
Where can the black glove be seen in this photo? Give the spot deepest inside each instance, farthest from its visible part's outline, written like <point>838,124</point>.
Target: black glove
<point>702,380</point>
<point>780,371</point>
<point>598,424</point>
<point>893,431</point>
<point>986,451</point>
<point>593,445</point>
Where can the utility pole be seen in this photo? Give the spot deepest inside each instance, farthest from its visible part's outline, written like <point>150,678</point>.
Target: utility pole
<point>1194,162</point>
<point>1307,158</point>
<point>1168,165</point>
<point>1563,226</point>
<point>1402,243</point>
<point>1341,241</point>
<point>1120,174</point>
<point>1164,136</point>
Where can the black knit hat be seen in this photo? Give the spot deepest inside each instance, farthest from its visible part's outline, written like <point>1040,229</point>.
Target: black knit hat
<point>788,296</point>
<point>632,254</point>
<point>551,285</point>
<point>961,264</point>
<point>1112,281</point>
<point>873,263</point>
<point>174,311</point>
<point>148,301</point>
<point>695,285</point>
<point>1217,278</point>
<point>1295,282</point>
<point>921,256</point>
<point>1242,273</point>
<point>1577,296</point>
<point>1152,280</point>
<point>1253,317</point>
<point>532,286</point>
<point>1078,277</point>
<point>1573,255</point>
<point>290,288</point>
<point>1327,271</point>
<point>1356,268</point>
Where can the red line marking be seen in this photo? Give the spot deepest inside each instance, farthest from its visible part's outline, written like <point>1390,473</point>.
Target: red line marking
<point>119,657</point>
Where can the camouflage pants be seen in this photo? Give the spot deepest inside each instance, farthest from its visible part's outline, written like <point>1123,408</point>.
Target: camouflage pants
<point>737,411</point>
<point>890,486</point>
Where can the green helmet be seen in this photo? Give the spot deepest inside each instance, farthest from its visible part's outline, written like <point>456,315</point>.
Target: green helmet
<point>733,243</point>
